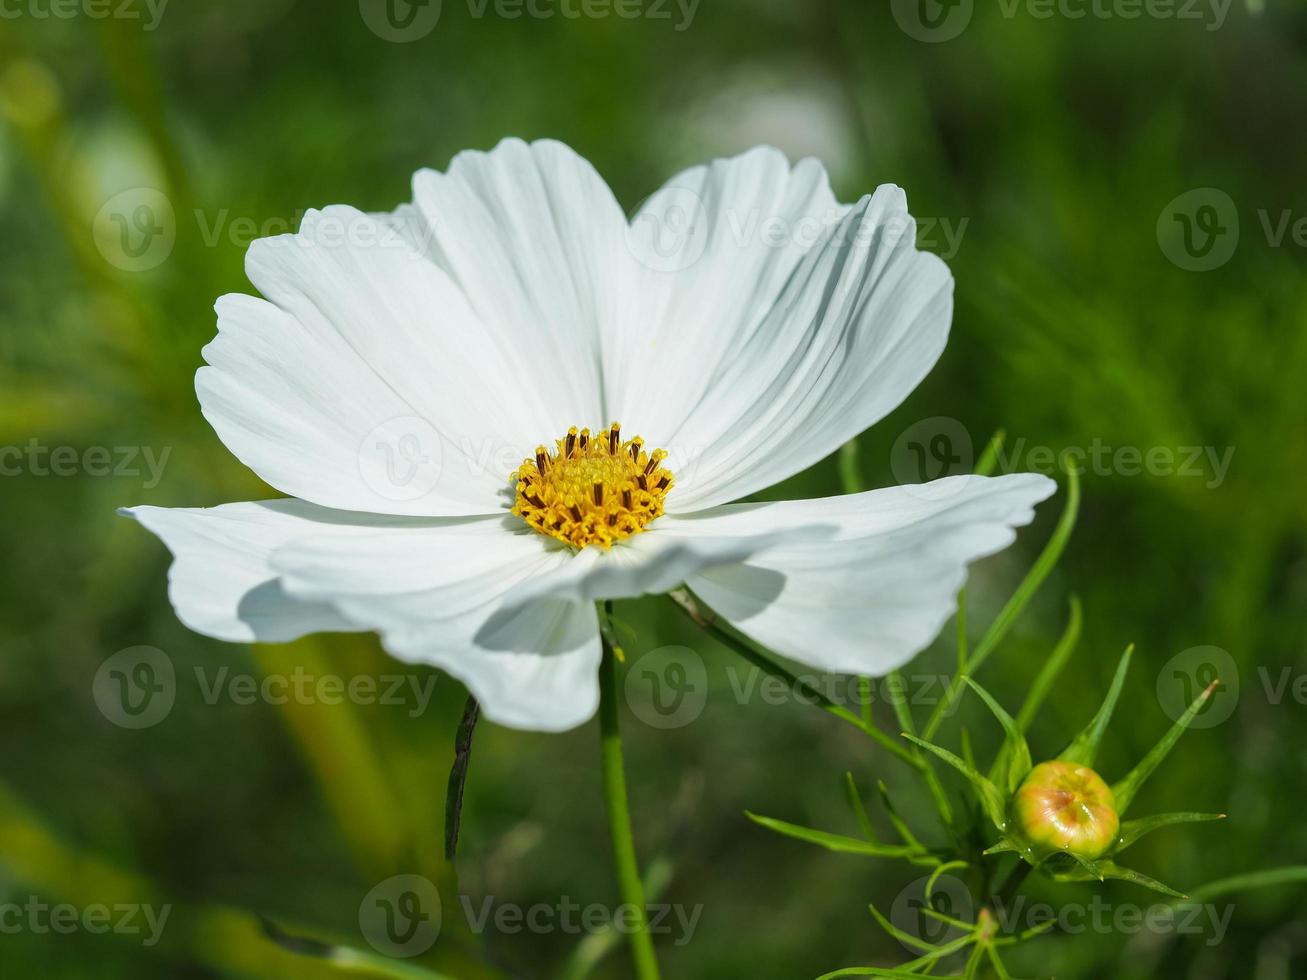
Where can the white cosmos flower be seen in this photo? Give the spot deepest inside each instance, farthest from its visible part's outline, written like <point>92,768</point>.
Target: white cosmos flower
<point>401,367</point>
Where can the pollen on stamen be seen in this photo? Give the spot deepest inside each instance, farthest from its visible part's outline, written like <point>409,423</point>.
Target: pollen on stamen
<point>592,489</point>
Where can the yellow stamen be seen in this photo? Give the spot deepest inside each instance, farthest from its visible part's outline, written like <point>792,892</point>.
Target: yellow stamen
<point>592,490</point>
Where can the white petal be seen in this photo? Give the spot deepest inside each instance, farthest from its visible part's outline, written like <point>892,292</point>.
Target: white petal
<point>437,594</point>
<point>364,381</point>
<point>772,349</point>
<point>713,265</point>
<point>537,242</point>
<point>670,552</point>
<point>868,599</point>
<point>220,582</point>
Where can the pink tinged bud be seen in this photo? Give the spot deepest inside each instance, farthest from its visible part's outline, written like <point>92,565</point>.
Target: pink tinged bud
<point>1061,806</point>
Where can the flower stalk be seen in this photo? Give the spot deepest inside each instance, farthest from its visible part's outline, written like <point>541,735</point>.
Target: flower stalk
<point>619,814</point>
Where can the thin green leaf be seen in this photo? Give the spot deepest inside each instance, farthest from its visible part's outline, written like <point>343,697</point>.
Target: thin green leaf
<point>1002,847</point>
<point>905,937</point>
<point>898,688</point>
<point>900,826</point>
<point>905,972</point>
<point>1125,790</point>
<point>989,456</point>
<point>1052,667</point>
<point>1132,830</point>
<point>864,701</point>
<point>1103,869</point>
<point>869,971</point>
<point>1084,747</point>
<point>1044,564</point>
<point>1012,611</point>
<point>942,869</point>
<point>859,811</point>
<point>924,964</point>
<point>1268,878</point>
<point>832,842</point>
<point>1014,745</point>
<point>969,972</point>
<point>1022,937</point>
<point>988,461</point>
<point>990,798</point>
<point>968,756</point>
<point>903,712</point>
<point>850,472</point>
<point>948,920</point>
<point>1113,870</point>
<point>999,969</point>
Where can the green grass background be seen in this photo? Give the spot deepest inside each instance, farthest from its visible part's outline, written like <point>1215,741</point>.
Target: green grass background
<point>1059,141</point>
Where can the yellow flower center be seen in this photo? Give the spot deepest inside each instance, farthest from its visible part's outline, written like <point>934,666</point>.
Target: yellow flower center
<point>592,489</point>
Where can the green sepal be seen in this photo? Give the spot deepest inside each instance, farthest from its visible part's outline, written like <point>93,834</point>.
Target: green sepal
<point>1103,869</point>
<point>1084,747</point>
<point>1132,830</point>
<point>1125,790</point>
<point>990,798</point>
<point>1003,846</point>
<point>1015,748</point>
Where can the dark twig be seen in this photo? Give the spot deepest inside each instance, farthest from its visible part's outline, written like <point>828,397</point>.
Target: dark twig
<point>458,775</point>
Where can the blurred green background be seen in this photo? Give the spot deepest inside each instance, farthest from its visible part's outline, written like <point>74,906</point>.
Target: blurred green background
<point>1048,153</point>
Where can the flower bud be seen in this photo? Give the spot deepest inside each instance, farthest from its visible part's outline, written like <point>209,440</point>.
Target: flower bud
<point>1061,806</point>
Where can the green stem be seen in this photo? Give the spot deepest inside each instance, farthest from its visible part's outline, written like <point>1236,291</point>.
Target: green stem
<point>903,712</point>
<point>1015,880</point>
<point>795,683</point>
<point>619,817</point>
